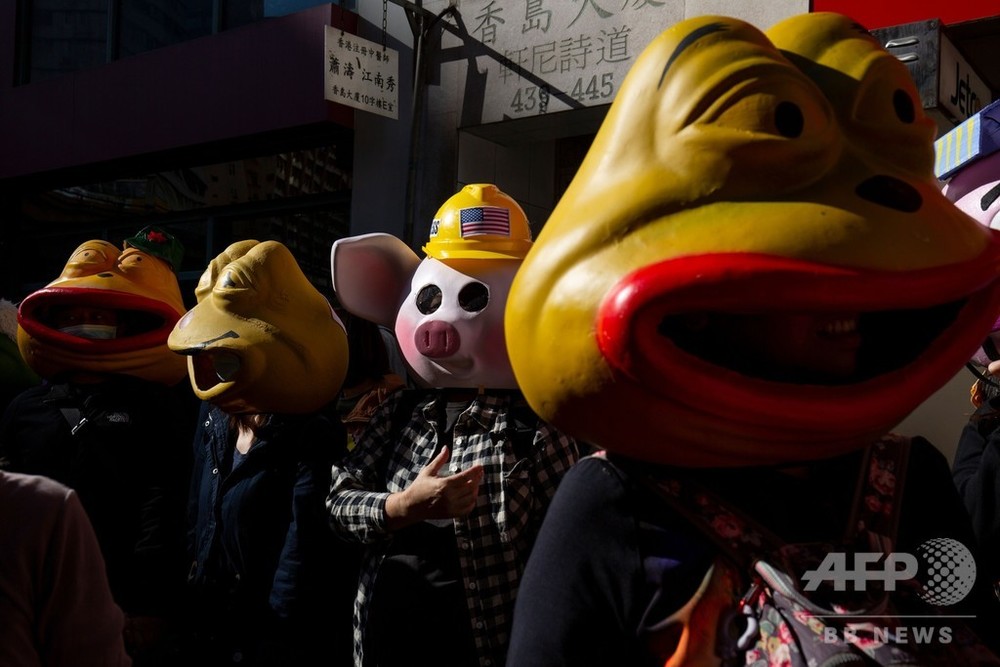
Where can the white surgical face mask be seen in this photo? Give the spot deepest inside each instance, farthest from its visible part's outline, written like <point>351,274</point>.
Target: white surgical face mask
<point>95,331</point>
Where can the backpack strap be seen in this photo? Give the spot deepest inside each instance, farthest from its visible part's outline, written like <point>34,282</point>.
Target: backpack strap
<point>522,424</point>
<point>752,547</point>
<point>69,405</point>
<point>735,533</point>
<point>879,494</point>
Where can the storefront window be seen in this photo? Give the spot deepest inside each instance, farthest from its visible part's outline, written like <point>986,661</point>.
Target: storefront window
<point>65,36</point>
<point>61,36</point>
<point>150,25</point>
<point>300,198</point>
<point>241,12</point>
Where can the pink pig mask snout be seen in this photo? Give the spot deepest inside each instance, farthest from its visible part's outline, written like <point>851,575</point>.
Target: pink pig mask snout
<point>436,339</point>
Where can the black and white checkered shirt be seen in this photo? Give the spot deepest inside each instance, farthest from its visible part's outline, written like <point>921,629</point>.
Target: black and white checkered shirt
<point>494,539</point>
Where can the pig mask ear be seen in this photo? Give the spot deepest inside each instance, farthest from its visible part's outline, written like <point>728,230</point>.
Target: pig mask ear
<point>371,275</point>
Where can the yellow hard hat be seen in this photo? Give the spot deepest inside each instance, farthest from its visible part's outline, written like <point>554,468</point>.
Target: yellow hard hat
<point>479,222</point>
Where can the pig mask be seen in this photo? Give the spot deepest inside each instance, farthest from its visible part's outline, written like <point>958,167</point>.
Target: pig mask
<point>447,310</point>
<point>974,180</point>
<point>975,189</point>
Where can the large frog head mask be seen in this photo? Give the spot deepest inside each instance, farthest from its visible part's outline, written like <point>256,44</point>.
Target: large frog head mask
<point>109,312</point>
<point>262,339</point>
<point>744,175</point>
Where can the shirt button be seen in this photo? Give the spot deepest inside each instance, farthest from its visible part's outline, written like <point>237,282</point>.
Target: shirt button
<point>215,471</point>
<point>472,585</point>
<point>207,422</point>
<point>479,625</point>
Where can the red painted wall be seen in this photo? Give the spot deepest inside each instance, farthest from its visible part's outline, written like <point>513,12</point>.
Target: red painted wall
<point>881,14</point>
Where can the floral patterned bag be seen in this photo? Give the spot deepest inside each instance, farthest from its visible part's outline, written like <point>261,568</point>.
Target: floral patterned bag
<point>775,622</point>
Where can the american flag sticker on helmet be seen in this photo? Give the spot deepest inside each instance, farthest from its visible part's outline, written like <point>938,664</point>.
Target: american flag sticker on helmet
<point>480,220</point>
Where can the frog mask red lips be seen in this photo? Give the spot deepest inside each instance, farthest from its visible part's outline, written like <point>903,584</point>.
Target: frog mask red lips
<point>109,312</point>
<point>756,178</point>
<point>262,339</point>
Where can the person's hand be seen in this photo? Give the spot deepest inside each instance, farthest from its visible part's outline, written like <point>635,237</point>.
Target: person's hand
<point>994,368</point>
<point>433,497</point>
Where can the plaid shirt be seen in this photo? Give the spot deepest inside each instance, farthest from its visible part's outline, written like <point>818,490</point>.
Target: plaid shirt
<point>494,539</point>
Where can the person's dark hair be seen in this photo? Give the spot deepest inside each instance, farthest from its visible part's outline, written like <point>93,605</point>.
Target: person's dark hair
<point>987,415</point>
<point>987,385</point>
<point>367,359</point>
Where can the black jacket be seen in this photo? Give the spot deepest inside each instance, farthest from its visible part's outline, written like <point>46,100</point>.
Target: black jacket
<point>614,563</point>
<point>123,446</point>
<point>976,472</point>
<point>270,580</point>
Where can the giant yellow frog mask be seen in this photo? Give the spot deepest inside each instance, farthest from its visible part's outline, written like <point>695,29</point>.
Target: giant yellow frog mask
<point>137,296</point>
<point>261,339</point>
<point>744,175</point>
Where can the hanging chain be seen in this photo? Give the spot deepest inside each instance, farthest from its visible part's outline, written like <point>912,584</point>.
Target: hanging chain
<point>385,14</point>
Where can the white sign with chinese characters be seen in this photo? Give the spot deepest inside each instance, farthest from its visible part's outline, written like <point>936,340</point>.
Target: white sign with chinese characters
<point>361,74</point>
<point>553,55</point>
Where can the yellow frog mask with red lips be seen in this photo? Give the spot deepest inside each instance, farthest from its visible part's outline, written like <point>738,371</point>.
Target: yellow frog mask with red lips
<point>744,173</point>
<point>262,339</point>
<point>139,287</point>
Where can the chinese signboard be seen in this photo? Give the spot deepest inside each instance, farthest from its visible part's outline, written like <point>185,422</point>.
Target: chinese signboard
<point>553,55</point>
<point>556,55</point>
<point>361,74</point>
